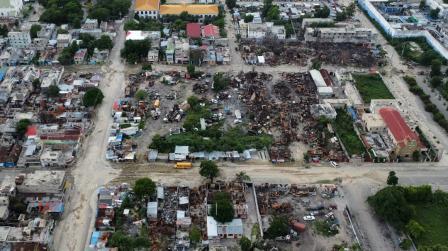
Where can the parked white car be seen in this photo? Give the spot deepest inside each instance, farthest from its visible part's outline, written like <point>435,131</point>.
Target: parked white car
<point>308,218</point>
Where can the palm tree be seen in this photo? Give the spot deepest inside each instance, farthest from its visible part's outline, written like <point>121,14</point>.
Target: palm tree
<point>242,176</point>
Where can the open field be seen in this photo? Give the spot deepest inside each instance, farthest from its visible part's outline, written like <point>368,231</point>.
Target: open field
<point>343,126</point>
<point>371,87</point>
<point>434,219</point>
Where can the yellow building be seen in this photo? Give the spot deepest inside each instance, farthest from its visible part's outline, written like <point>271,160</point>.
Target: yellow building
<point>147,8</point>
<point>153,9</point>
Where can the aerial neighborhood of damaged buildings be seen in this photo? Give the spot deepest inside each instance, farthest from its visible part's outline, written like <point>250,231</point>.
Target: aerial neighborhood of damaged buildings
<point>300,82</point>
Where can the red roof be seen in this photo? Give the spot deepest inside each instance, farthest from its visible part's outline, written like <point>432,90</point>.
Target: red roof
<point>210,30</point>
<point>31,131</point>
<point>194,30</point>
<point>397,126</point>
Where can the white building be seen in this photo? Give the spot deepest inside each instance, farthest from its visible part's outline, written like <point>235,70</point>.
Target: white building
<point>19,39</point>
<point>260,31</point>
<point>64,40</point>
<point>398,33</point>
<point>340,35</point>
<point>10,8</point>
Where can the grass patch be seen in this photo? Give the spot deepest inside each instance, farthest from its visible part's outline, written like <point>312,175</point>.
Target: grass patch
<point>371,87</point>
<point>343,126</point>
<point>324,228</point>
<point>434,219</point>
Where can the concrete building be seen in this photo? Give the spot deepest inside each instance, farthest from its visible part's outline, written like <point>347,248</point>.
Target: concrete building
<point>403,33</point>
<point>260,31</point>
<point>201,11</point>
<point>230,230</point>
<point>310,21</point>
<point>41,183</point>
<point>10,8</point>
<point>153,9</point>
<point>153,55</point>
<point>182,51</point>
<point>80,56</point>
<point>373,122</point>
<point>52,159</point>
<point>406,140</point>
<point>340,35</point>
<point>63,40</point>
<point>19,39</point>
<point>147,8</point>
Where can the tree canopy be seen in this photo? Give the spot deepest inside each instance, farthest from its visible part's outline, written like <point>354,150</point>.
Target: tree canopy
<point>141,95</point>
<point>222,207</point>
<point>35,28</point>
<point>245,244</point>
<point>209,169</point>
<point>92,97</point>
<point>135,51</point>
<point>53,91</point>
<point>390,204</point>
<point>220,82</point>
<point>278,227</point>
<point>322,12</point>
<point>105,10</point>
<point>392,179</point>
<point>22,126</point>
<point>231,4</point>
<point>62,12</point>
<point>144,187</point>
<point>195,235</point>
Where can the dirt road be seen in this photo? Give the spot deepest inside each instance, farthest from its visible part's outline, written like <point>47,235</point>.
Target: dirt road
<point>92,170</point>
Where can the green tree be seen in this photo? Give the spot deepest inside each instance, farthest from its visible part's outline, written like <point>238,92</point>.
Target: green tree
<point>437,247</point>
<point>434,13</point>
<point>35,28</point>
<point>102,14</point>
<point>194,235</point>
<point>36,84</point>
<point>245,244</point>
<point>316,64</point>
<point>209,169</point>
<point>322,12</point>
<point>422,4</point>
<point>415,229</point>
<point>222,207</point>
<point>273,13</point>
<point>392,179</point>
<point>390,204</point>
<point>22,126</point>
<point>436,81</point>
<point>4,30</point>
<point>53,91</point>
<point>144,187</point>
<point>267,4</point>
<point>231,4</point>
<point>220,82</point>
<point>93,96</point>
<point>242,176</point>
<point>278,227</point>
<point>193,101</point>
<point>141,95</point>
<point>146,67</point>
<point>416,155</point>
<point>436,66</point>
<point>135,51</point>
<point>104,43</point>
<point>248,18</point>
<point>191,69</point>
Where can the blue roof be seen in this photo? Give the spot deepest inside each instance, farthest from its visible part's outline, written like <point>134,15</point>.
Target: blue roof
<point>3,71</point>
<point>95,238</point>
